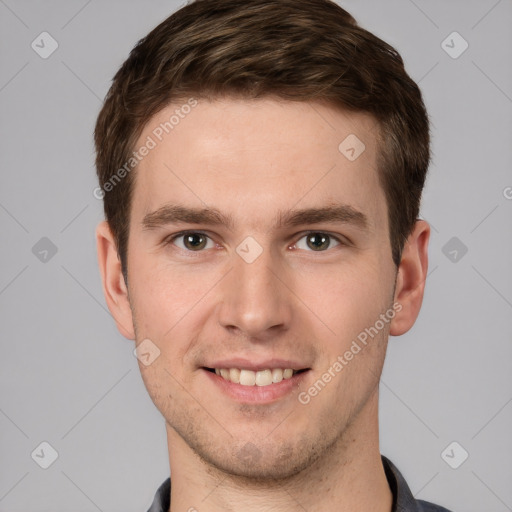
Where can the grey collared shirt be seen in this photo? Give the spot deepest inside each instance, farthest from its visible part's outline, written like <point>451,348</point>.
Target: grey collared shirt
<point>403,500</point>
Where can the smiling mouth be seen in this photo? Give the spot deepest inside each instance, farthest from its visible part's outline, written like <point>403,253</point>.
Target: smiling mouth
<point>255,378</point>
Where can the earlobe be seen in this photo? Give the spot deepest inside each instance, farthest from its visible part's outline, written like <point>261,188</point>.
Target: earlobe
<point>114,287</point>
<point>410,283</point>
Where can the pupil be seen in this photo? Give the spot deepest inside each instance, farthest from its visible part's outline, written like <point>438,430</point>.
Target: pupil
<point>194,241</point>
<point>323,240</point>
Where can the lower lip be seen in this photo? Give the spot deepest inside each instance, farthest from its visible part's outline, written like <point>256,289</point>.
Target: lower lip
<point>257,394</point>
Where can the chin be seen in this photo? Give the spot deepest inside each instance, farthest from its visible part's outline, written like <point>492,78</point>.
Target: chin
<point>262,462</point>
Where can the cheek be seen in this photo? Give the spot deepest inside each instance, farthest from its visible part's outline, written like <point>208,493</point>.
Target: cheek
<point>170,305</point>
<point>346,301</point>
<point>162,294</point>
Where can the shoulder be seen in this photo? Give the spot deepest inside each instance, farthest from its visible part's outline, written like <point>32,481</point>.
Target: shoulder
<point>425,506</point>
<point>162,500</point>
<point>403,499</point>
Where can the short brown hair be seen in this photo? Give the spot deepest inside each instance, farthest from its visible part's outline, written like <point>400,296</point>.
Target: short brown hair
<point>300,50</point>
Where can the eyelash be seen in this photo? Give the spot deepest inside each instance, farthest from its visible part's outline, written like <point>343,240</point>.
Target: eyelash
<point>170,240</point>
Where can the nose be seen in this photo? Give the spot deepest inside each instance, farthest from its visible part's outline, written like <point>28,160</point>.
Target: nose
<point>256,300</point>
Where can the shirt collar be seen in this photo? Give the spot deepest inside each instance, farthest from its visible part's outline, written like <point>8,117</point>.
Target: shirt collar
<point>403,500</point>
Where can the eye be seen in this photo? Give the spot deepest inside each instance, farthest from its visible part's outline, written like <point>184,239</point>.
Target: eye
<point>192,241</point>
<point>317,241</point>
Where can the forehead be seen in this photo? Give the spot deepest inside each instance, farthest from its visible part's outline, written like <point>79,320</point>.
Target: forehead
<point>251,158</point>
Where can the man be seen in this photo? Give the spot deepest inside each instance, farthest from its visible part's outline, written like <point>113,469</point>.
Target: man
<point>261,164</point>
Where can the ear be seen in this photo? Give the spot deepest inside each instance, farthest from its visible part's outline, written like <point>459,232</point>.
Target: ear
<point>114,287</point>
<point>410,283</point>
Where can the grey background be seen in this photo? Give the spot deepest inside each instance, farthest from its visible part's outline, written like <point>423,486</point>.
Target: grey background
<point>70,379</point>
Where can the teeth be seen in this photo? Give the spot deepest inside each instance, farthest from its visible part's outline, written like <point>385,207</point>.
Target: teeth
<point>259,378</point>
<point>263,378</point>
<point>277,375</point>
<point>234,375</point>
<point>247,377</point>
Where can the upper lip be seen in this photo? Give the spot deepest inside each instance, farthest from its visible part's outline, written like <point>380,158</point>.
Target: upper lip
<point>268,364</point>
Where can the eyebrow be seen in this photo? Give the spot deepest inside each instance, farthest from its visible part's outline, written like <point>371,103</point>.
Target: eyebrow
<point>173,213</point>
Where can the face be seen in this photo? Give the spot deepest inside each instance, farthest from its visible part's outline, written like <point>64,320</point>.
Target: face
<point>259,243</point>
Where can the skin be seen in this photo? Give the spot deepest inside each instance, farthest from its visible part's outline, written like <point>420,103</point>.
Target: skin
<point>251,159</point>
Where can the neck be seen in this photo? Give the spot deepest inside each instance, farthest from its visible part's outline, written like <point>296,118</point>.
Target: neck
<point>348,477</point>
